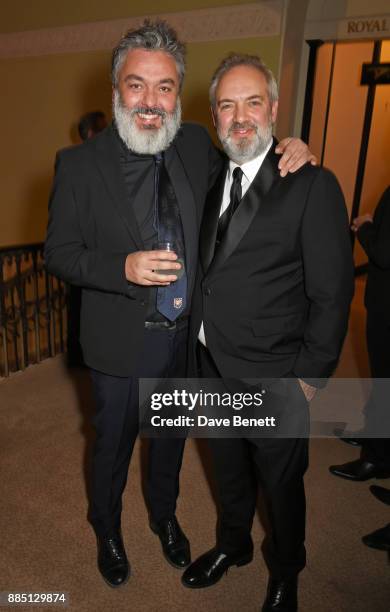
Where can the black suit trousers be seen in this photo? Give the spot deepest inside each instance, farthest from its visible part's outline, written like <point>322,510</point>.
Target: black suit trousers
<point>377,414</point>
<point>278,466</point>
<point>116,422</point>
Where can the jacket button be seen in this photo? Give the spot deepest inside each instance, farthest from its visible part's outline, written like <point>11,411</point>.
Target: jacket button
<point>207,291</point>
<point>143,303</point>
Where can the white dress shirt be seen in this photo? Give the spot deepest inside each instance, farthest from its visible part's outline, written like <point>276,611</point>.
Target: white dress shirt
<point>249,169</point>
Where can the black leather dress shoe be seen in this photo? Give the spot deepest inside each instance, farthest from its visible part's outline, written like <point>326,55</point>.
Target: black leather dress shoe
<point>359,470</point>
<point>349,437</point>
<point>112,560</point>
<point>381,493</point>
<point>211,566</point>
<point>282,596</point>
<point>379,539</point>
<point>176,547</point>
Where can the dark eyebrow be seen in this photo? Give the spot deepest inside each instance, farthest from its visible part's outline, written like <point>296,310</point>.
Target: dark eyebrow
<point>255,97</point>
<point>133,77</point>
<point>137,77</point>
<point>168,81</point>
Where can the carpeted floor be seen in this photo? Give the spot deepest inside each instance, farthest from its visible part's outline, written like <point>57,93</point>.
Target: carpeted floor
<point>47,545</point>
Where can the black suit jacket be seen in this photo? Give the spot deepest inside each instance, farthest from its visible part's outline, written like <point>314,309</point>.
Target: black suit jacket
<point>92,228</point>
<point>275,298</point>
<point>375,240</point>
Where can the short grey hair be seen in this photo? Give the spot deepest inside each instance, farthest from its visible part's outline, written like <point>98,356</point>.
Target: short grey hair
<point>152,36</point>
<point>243,59</point>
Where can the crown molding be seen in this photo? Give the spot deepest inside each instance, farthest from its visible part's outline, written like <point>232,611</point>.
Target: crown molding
<point>223,23</point>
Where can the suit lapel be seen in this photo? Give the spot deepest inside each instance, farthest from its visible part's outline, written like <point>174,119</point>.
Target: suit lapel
<point>108,162</point>
<point>186,202</point>
<point>208,232</point>
<point>247,209</point>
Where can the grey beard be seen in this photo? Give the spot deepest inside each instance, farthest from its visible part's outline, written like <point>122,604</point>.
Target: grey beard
<point>248,148</point>
<point>148,141</point>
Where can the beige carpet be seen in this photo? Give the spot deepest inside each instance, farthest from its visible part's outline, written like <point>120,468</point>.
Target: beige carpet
<point>47,545</point>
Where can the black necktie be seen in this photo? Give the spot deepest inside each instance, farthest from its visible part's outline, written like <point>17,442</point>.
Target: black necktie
<point>235,199</point>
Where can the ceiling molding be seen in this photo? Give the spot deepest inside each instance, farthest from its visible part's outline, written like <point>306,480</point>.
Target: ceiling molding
<point>224,23</point>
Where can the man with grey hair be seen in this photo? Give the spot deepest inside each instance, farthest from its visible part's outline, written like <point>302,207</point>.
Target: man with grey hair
<point>125,209</point>
<point>271,301</point>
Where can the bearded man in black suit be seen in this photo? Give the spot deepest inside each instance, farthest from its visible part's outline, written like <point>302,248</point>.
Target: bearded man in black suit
<point>271,300</point>
<point>139,183</point>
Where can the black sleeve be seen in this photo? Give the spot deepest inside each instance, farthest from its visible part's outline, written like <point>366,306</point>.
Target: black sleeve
<point>66,253</point>
<point>328,277</point>
<point>375,237</point>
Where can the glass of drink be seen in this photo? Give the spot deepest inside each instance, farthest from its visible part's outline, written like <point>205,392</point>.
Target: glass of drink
<point>170,246</point>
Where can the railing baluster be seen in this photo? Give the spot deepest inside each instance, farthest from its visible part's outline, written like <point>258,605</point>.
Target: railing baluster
<point>36,307</point>
<point>14,326</point>
<point>48,314</point>
<point>60,314</point>
<point>22,312</point>
<point>3,321</point>
<point>53,311</point>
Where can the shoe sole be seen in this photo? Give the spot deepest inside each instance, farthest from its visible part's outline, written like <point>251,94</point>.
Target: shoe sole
<point>378,476</point>
<point>179,567</point>
<point>240,563</point>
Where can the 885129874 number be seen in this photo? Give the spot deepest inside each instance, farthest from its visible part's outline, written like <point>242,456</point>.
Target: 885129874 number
<point>13,598</point>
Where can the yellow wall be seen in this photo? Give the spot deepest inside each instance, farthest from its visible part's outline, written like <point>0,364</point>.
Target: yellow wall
<point>346,114</point>
<point>44,96</point>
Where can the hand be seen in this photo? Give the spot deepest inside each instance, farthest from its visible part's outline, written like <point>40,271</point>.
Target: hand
<point>295,154</point>
<point>358,221</point>
<point>308,390</point>
<point>140,267</point>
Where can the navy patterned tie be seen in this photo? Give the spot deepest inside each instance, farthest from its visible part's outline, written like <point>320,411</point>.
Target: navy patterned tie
<point>171,300</point>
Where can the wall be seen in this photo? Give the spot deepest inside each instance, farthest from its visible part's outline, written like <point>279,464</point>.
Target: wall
<point>45,95</point>
<point>19,15</point>
<point>346,112</point>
